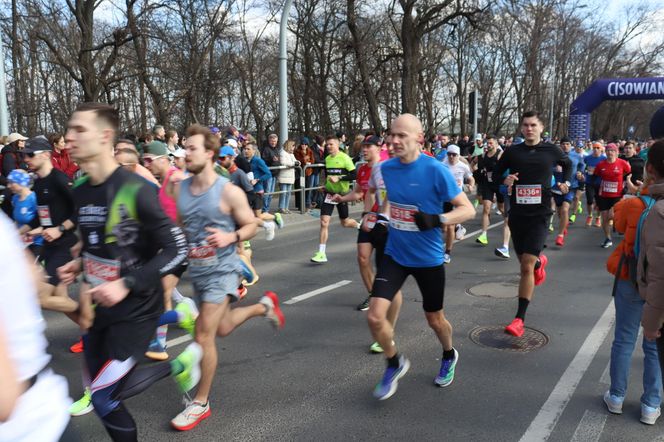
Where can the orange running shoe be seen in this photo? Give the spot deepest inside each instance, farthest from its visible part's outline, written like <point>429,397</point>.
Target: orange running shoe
<point>598,222</point>
<point>589,221</point>
<point>560,240</point>
<point>77,347</point>
<point>540,274</point>
<point>515,328</point>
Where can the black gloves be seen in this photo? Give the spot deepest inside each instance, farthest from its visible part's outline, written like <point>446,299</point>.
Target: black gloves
<point>426,221</point>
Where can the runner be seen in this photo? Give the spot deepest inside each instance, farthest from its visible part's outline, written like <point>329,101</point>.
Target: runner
<point>260,174</point>
<point>339,172</point>
<point>24,203</point>
<point>461,173</point>
<point>417,186</point>
<point>487,186</point>
<point>210,208</point>
<point>563,201</point>
<point>531,166</point>
<point>612,173</point>
<point>577,206</point>
<point>128,244</point>
<point>592,183</point>
<point>55,208</point>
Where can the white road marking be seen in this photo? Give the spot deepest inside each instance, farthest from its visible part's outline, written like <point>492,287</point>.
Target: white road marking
<point>606,375</point>
<point>317,292</point>
<point>179,340</point>
<point>542,426</point>
<point>477,232</point>
<point>590,428</point>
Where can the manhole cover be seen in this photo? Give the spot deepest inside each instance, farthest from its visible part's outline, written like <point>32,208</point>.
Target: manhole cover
<point>498,289</point>
<point>495,337</point>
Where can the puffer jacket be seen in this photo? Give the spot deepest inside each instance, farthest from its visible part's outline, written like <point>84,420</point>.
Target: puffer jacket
<point>650,270</point>
<point>287,176</point>
<point>626,215</point>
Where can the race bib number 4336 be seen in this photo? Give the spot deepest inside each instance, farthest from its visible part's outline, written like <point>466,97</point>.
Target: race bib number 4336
<point>529,194</point>
<point>402,217</point>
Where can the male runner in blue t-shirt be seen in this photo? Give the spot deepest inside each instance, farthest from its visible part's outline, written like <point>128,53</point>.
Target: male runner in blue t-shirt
<point>417,186</point>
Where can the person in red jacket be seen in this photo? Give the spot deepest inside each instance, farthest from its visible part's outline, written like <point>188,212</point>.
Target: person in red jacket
<point>60,156</point>
<point>612,172</point>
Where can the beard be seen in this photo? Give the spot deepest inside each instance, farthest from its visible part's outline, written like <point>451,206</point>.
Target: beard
<point>195,168</point>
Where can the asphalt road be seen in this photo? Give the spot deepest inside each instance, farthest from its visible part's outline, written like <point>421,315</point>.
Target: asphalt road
<point>313,380</point>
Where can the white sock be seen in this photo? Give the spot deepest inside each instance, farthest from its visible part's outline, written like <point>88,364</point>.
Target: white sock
<point>321,248</point>
<point>267,225</point>
<point>483,232</point>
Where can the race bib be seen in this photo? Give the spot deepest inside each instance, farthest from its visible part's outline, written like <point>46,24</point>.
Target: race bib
<point>610,187</point>
<point>328,199</point>
<point>44,216</point>
<point>371,220</point>
<point>402,217</point>
<point>202,256</point>
<point>100,270</point>
<point>529,194</point>
<point>489,176</point>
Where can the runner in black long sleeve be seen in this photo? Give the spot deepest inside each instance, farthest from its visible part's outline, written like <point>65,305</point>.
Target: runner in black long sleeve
<point>128,245</point>
<point>531,166</point>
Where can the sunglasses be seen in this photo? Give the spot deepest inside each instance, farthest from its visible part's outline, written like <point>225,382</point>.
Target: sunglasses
<point>148,160</point>
<point>452,154</point>
<point>32,154</point>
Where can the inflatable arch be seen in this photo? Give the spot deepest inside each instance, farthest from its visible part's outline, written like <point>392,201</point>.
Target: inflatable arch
<point>609,89</point>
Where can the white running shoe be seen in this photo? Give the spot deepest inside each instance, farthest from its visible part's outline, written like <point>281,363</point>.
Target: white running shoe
<point>459,232</point>
<point>269,227</point>
<point>192,415</point>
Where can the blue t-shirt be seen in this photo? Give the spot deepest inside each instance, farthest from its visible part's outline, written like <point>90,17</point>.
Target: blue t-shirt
<point>25,211</point>
<point>423,185</point>
<point>578,165</point>
<point>593,161</point>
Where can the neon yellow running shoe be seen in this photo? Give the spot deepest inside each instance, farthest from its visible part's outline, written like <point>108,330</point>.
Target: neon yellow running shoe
<point>482,239</point>
<point>83,405</point>
<point>186,318</point>
<point>190,359</point>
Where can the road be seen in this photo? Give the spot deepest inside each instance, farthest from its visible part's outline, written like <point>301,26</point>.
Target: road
<point>313,380</point>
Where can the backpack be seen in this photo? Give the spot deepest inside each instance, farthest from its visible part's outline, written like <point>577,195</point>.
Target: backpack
<point>631,260</point>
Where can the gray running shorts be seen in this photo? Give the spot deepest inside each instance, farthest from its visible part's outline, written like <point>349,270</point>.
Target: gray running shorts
<point>214,288</point>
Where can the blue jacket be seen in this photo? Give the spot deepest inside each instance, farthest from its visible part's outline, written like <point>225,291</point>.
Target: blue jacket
<point>261,172</point>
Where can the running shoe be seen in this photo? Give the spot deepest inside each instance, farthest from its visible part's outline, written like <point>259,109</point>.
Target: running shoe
<point>560,240</point>
<point>319,257</point>
<point>375,348</point>
<point>248,271</point>
<point>572,218</point>
<point>447,258</point>
<point>388,385</point>
<point>77,347</point>
<point>482,239</point>
<point>613,403</point>
<point>193,414</point>
<point>156,351</point>
<point>540,274</point>
<point>279,220</point>
<point>649,415</point>
<point>269,227</point>
<point>186,317</point>
<point>607,243</point>
<point>551,229</point>
<point>589,221</point>
<point>611,222</point>
<point>446,373</point>
<point>459,232</point>
<point>241,292</point>
<point>83,405</point>
<point>598,222</point>
<point>502,252</point>
<point>515,328</point>
<point>363,306</point>
<point>247,245</point>
<point>476,203</point>
<point>273,312</point>
<point>190,358</point>
<point>579,210</point>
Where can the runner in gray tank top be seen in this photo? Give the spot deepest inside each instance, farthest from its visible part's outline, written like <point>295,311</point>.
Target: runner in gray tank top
<point>216,217</point>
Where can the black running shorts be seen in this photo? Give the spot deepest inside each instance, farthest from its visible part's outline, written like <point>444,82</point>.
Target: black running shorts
<point>528,233</point>
<point>327,209</point>
<point>52,258</point>
<point>391,276</point>
<point>606,203</point>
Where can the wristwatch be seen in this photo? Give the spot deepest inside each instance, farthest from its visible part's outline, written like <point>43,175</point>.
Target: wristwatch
<point>129,282</point>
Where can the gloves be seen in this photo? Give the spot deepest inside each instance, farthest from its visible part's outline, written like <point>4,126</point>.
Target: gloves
<point>426,221</point>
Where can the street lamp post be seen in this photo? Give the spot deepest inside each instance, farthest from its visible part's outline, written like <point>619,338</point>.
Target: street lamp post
<point>4,112</point>
<point>283,78</point>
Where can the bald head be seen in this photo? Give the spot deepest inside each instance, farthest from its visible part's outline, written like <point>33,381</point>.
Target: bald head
<point>407,135</point>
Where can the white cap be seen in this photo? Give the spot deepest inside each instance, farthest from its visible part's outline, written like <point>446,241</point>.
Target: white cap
<point>232,142</point>
<point>478,137</point>
<point>14,136</point>
<point>453,148</point>
<point>179,153</point>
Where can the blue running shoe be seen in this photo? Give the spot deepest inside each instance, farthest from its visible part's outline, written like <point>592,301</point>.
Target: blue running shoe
<point>248,272</point>
<point>446,373</point>
<point>388,385</point>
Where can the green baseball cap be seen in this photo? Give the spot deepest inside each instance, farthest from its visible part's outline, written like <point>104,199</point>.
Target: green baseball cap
<point>157,148</point>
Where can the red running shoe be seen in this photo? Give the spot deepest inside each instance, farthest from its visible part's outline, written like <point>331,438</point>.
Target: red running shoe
<point>77,347</point>
<point>540,274</point>
<point>560,240</point>
<point>271,302</point>
<point>241,292</point>
<point>515,328</point>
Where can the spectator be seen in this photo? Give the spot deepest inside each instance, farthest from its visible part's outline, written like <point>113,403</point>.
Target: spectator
<point>159,133</point>
<point>172,140</point>
<point>286,176</point>
<point>60,156</point>
<point>306,157</point>
<point>270,154</point>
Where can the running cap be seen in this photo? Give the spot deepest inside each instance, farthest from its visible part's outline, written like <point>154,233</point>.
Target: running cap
<point>15,136</point>
<point>179,153</point>
<point>478,137</point>
<point>232,142</point>
<point>453,148</point>
<point>611,146</point>
<point>580,144</point>
<point>157,148</point>
<point>20,177</point>
<point>37,144</point>
<point>566,140</point>
<point>227,151</point>
<point>372,140</point>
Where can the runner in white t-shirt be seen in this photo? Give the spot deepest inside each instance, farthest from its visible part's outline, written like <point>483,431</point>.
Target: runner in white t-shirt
<point>462,173</point>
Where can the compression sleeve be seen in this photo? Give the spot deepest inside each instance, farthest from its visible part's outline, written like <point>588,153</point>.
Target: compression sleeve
<point>350,176</point>
<point>166,236</point>
<point>63,184</point>
<point>502,165</point>
<point>566,163</point>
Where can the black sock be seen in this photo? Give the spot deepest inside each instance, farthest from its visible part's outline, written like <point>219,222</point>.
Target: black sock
<point>538,264</point>
<point>448,354</point>
<point>448,251</point>
<point>393,361</point>
<point>523,306</point>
